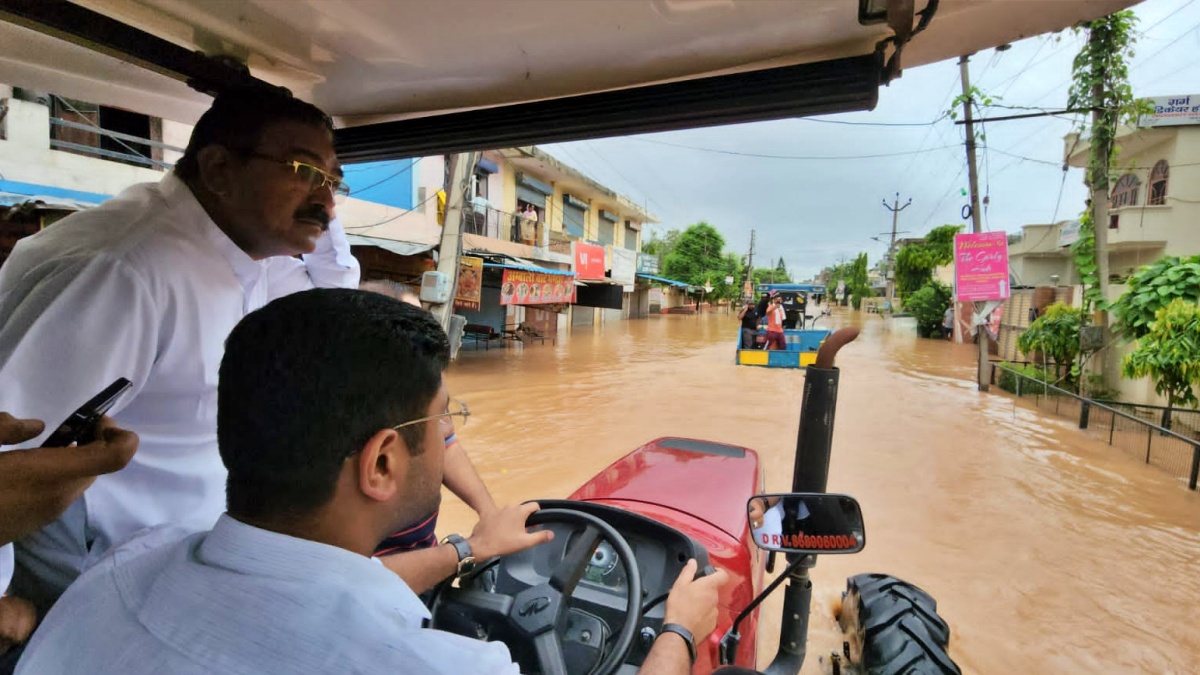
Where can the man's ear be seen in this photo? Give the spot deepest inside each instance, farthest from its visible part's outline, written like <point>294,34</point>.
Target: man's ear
<point>383,465</point>
<point>215,162</point>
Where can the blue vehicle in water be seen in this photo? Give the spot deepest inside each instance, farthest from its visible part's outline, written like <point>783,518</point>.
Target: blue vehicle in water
<point>803,338</point>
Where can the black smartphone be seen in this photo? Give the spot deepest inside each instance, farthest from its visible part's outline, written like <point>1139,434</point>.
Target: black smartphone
<point>80,427</point>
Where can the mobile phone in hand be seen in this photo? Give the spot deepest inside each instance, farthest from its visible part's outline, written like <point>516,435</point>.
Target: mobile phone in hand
<point>80,427</point>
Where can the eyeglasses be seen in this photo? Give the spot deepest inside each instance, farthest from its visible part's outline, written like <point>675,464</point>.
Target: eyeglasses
<point>315,177</point>
<point>456,408</point>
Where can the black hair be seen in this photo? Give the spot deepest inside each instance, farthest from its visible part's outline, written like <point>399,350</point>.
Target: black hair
<point>307,380</point>
<point>237,119</point>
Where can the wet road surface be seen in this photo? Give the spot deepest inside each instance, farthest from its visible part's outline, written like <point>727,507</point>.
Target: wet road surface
<point>1048,552</point>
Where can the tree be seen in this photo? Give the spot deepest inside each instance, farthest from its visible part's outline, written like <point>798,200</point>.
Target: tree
<point>698,257</point>
<point>781,272</point>
<point>858,284</point>
<point>661,246</point>
<point>928,305</point>
<point>1169,352</point>
<point>1100,83</point>
<point>1055,334</point>
<point>1152,288</point>
<point>916,262</point>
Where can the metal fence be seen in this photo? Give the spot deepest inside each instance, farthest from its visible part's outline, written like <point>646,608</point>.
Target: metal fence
<point>1117,424</point>
<point>1184,421</point>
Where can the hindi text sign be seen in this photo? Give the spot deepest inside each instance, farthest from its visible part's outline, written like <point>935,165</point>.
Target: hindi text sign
<point>519,287</point>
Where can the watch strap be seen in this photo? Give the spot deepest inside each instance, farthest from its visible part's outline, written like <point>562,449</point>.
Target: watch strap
<point>466,558</point>
<point>684,633</point>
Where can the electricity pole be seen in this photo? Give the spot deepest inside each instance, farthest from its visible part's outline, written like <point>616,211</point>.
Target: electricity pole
<point>976,227</point>
<point>895,208</point>
<point>750,267</point>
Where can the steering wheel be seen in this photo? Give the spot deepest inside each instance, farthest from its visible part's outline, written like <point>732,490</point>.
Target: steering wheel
<point>538,612</point>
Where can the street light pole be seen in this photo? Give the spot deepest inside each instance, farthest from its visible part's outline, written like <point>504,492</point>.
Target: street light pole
<point>895,208</point>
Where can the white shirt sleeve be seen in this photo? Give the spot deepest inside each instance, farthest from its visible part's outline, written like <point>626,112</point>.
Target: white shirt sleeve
<point>6,567</point>
<point>70,332</point>
<point>330,265</point>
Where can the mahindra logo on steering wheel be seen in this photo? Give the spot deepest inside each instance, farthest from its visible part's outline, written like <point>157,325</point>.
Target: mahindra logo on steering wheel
<point>535,605</point>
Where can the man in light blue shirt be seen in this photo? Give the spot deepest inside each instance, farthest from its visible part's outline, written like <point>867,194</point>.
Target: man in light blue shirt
<point>329,405</point>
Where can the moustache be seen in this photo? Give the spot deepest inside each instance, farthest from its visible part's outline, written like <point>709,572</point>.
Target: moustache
<point>314,212</point>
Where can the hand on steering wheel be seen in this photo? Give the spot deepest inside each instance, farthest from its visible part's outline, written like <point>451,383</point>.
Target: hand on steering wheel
<point>538,612</point>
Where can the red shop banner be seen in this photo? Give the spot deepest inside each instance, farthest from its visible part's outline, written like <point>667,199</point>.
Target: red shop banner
<point>589,261</point>
<point>536,288</point>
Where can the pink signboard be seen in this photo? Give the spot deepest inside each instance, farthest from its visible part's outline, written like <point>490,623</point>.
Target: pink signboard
<point>981,266</point>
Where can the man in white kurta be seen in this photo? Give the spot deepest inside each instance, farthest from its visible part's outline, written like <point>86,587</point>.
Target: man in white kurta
<point>147,286</point>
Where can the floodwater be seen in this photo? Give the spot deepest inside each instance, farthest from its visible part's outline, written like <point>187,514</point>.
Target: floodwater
<point>1048,552</point>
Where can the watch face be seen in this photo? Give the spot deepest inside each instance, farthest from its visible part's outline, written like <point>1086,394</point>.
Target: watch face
<point>466,565</point>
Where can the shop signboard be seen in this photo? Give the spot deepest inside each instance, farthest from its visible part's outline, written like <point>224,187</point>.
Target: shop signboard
<point>981,266</point>
<point>519,287</point>
<point>589,260</point>
<point>624,266</point>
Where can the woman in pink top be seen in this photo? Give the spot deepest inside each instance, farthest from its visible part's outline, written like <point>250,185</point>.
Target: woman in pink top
<point>775,317</point>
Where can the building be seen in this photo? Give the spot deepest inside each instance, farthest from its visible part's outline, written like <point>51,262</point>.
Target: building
<point>1154,206</point>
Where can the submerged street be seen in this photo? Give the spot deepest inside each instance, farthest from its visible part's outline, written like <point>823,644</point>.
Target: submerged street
<point>1047,551</point>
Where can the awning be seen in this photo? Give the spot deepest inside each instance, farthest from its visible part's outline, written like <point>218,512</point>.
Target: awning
<point>529,268</point>
<point>393,245</point>
<point>672,282</point>
<point>43,203</point>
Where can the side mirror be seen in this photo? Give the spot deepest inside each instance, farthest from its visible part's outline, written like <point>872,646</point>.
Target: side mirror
<point>806,523</point>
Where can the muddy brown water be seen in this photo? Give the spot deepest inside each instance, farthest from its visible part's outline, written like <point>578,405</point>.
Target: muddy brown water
<point>1048,552</point>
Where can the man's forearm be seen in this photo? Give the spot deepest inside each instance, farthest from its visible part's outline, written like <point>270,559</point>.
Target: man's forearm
<point>668,656</point>
<point>424,568</point>
<point>460,476</point>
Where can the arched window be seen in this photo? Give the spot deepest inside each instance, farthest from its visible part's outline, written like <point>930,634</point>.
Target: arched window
<point>1125,193</point>
<point>1158,183</point>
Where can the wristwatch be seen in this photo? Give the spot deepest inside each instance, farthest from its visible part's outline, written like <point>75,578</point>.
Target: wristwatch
<point>683,633</point>
<point>466,559</point>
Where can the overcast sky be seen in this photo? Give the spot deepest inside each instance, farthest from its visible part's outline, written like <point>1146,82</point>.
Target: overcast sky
<point>815,212</point>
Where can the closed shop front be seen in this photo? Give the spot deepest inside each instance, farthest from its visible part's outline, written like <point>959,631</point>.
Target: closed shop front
<point>574,216</point>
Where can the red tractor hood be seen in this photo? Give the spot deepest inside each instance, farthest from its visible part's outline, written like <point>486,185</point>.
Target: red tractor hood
<point>708,481</point>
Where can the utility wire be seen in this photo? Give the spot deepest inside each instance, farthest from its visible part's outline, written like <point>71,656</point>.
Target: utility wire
<point>798,157</point>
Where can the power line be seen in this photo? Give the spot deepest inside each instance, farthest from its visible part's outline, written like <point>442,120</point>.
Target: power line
<point>398,216</point>
<point>799,157</point>
<point>876,124</point>
<point>384,180</point>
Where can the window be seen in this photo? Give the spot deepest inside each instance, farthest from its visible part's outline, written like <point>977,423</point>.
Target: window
<point>1158,183</point>
<point>1114,221</point>
<point>1125,193</point>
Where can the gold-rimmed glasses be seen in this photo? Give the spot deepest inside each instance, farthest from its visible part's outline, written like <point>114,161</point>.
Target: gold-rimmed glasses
<point>456,408</point>
<point>314,176</point>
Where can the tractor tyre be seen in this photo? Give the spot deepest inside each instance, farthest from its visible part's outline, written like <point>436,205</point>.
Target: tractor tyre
<point>896,627</point>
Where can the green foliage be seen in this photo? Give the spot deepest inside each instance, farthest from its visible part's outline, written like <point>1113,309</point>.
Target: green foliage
<point>697,257</point>
<point>1100,80</point>
<point>1169,352</point>
<point>916,262</point>
<point>660,246</point>
<point>928,305</point>
<point>1035,385</point>
<point>1152,288</point>
<point>858,284</point>
<point>768,275</point>
<point>781,272</point>
<point>1083,252</point>
<point>1055,333</point>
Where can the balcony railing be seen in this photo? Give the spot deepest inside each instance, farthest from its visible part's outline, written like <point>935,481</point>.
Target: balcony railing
<point>123,140</point>
<point>496,224</point>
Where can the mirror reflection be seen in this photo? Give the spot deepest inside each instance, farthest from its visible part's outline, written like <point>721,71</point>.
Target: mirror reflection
<point>806,523</point>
